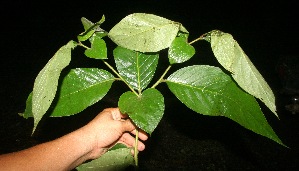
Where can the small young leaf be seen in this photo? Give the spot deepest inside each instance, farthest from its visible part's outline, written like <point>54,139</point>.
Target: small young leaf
<point>180,51</point>
<point>85,36</point>
<point>145,110</point>
<point>208,90</point>
<point>46,82</point>
<point>90,28</point>
<point>145,32</point>
<point>98,49</point>
<point>232,58</point>
<point>81,88</point>
<point>114,159</point>
<point>28,111</point>
<point>136,68</point>
<point>86,23</point>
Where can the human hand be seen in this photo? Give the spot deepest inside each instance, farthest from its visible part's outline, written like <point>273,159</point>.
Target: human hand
<point>110,127</point>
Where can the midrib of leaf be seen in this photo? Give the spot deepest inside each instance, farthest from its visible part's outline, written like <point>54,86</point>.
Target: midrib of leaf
<point>138,73</point>
<point>241,108</point>
<point>149,30</point>
<point>204,89</point>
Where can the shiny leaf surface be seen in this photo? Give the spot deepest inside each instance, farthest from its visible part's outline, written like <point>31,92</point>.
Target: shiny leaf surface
<point>145,110</point>
<point>81,88</point>
<point>208,90</point>
<point>136,68</point>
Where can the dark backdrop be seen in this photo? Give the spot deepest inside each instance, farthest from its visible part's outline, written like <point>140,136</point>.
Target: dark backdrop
<point>31,32</point>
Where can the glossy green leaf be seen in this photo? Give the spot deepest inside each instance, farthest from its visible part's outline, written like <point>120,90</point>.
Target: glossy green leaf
<point>46,82</point>
<point>232,58</point>
<point>180,51</point>
<point>145,32</point>
<point>208,90</point>
<point>136,68</point>
<point>81,88</point>
<point>145,110</point>
<point>115,159</point>
<point>98,49</point>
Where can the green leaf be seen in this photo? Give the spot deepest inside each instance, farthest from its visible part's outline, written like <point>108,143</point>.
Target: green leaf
<point>98,49</point>
<point>232,58</point>
<point>115,159</point>
<point>208,90</point>
<point>85,36</point>
<point>145,32</point>
<point>86,23</point>
<point>28,111</point>
<point>81,88</point>
<point>46,82</point>
<point>136,68</point>
<point>145,110</point>
<point>91,28</point>
<point>180,51</point>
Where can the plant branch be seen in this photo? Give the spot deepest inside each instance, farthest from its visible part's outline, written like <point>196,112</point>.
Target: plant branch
<point>200,38</point>
<point>115,72</point>
<point>136,148</point>
<point>81,44</point>
<point>161,78</point>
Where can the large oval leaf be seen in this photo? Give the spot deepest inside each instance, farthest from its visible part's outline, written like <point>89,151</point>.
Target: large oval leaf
<point>145,32</point>
<point>209,91</point>
<point>145,110</point>
<point>231,56</point>
<point>136,68</point>
<point>81,88</point>
<point>46,82</point>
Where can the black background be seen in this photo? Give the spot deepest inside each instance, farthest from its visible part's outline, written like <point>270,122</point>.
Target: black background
<point>31,32</point>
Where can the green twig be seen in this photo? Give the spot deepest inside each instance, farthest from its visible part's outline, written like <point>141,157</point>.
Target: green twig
<point>161,78</point>
<point>81,44</point>
<point>200,38</point>
<point>136,148</point>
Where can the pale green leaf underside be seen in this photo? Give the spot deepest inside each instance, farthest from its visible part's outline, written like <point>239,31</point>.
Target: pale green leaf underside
<point>145,110</point>
<point>46,82</point>
<point>232,58</point>
<point>28,111</point>
<point>208,90</point>
<point>145,32</point>
<point>118,159</point>
<point>136,68</point>
<point>81,88</point>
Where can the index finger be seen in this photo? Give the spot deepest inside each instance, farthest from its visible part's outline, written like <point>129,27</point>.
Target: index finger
<point>117,115</point>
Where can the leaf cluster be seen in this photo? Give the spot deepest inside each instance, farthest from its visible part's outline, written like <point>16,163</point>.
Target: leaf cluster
<point>139,37</point>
